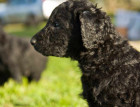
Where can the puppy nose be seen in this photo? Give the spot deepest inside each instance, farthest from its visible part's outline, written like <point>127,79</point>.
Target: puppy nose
<point>33,41</point>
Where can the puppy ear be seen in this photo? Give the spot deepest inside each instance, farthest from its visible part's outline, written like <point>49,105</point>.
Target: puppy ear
<point>91,29</point>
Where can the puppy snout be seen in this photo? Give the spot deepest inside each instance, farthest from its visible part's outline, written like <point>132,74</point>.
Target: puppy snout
<point>33,41</point>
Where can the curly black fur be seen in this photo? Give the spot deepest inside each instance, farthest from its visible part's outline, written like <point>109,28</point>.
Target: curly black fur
<point>110,66</point>
<point>18,58</point>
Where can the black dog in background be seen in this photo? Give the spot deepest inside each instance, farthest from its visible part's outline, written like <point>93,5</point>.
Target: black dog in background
<point>110,66</point>
<point>18,58</point>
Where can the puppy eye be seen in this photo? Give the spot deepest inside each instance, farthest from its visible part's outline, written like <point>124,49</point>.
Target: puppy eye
<point>56,24</point>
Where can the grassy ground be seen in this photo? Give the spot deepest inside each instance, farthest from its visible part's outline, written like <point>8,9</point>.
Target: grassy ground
<point>59,86</point>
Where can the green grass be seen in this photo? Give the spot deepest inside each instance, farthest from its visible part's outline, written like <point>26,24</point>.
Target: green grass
<point>59,86</point>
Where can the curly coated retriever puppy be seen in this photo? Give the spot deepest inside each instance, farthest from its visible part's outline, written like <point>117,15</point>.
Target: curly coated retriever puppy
<point>110,66</point>
<point>18,58</point>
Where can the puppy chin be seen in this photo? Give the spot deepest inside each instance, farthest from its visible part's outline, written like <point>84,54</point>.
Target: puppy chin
<point>44,54</point>
<point>38,49</point>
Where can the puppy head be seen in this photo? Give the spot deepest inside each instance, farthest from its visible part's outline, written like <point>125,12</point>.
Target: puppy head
<point>74,26</point>
<point>53,39</point>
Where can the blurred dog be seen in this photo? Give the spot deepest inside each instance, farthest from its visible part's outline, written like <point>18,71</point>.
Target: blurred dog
<point>18,58</point>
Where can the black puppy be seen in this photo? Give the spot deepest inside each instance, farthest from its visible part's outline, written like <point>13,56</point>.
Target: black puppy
<point>18,58</point>
<point>110,66</point>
